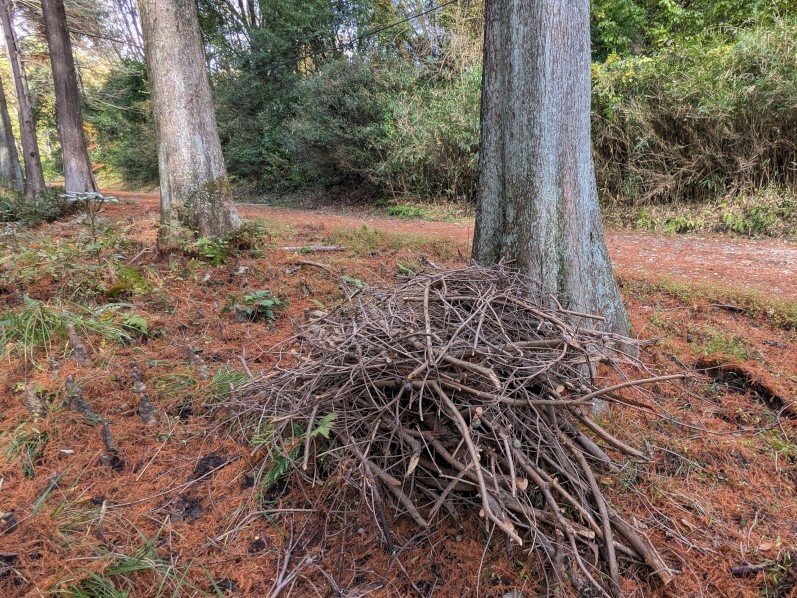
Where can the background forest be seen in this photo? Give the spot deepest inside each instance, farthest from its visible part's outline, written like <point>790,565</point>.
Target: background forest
<point>693,102</point>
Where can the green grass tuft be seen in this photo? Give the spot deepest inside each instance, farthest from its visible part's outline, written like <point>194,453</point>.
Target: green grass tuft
<point>779,312</point>
<point>27,444</point>
<point>37,325</point>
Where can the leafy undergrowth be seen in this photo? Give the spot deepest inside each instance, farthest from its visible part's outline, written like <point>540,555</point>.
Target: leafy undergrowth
<point>770,212</point>
<point>98,503</point>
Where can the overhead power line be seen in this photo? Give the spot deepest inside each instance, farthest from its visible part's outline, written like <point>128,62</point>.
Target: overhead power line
<point>365,35</point>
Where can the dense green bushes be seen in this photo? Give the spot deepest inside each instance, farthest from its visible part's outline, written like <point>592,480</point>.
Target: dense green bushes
<point>643,26</point>
<point>30,211</point>
<point>340,124</point>
<point>431,149</point>
<point>769,212</point>
<point>697,105</point>
<point>258,88</point>
<point>699,121</point>
<point>119,118</point>
<point>403,129</point>
<point>398,129</point>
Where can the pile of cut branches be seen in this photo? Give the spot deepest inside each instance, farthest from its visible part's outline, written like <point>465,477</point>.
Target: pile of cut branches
<point>462,387</point>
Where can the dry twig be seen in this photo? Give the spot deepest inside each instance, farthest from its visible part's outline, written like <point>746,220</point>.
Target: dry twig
<point>195,360</point>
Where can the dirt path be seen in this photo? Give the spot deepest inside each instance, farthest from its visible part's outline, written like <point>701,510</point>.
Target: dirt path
<point>769,266</point>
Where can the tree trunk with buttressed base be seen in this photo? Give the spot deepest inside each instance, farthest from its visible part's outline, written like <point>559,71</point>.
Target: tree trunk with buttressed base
<point>538,201</point>
<point>195,191</point>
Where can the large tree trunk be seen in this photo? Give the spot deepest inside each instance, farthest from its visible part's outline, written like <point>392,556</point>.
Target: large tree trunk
<point>195,191</point>
<point>10,169</point>
<point>34,177</point>
<point>538,200</point>
<point>78,177</point>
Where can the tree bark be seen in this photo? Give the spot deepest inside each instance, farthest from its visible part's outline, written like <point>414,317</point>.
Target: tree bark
<point>78,176</point>
<point>537,199</point>
<point>34,177</point>
<point>195,191</point>
<point>10,169</point>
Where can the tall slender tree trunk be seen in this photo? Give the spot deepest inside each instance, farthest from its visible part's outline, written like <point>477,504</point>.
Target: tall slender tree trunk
<point>538,200</point>
<point>34,177</point>
<point>10,169</point>
<point>78,177</point>
<point>195,191</point>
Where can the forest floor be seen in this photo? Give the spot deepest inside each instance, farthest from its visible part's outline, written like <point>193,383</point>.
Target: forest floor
<point>98,503</point>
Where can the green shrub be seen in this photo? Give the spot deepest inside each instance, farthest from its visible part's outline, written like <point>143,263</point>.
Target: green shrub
<point>260,305</point>
<point>136,324</point>
<point>119,118</point>
<point>405,211</point>
<point>432,146</point>
<point>387,126</point>
<point>30,211</point>
<point>250,236</point>
<point>129,283</point>
<point>407,130</point>
<point>626,26</point>
<point>700,120</point>
<point>258,91</point>
<point>213,249</point>
<point>341,120</point>
<point>767,212</point>
<point>681,224</point>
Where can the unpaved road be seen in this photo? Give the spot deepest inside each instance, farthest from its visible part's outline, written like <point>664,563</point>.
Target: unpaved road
<point>769,266</point>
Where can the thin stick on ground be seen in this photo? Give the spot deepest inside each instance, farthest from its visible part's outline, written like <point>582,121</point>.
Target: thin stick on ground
<point>314,249</point>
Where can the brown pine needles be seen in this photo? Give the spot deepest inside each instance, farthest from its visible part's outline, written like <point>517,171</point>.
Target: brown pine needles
<point>466,388</point>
